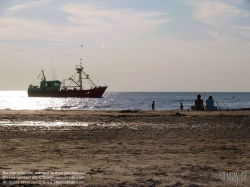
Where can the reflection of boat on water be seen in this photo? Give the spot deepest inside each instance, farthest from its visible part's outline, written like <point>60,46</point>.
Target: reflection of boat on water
<point>54,89</point>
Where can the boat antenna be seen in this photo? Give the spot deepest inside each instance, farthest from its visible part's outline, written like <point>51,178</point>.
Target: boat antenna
<point>52,66</point>
<point>80,61</point>
<point>55,72</point>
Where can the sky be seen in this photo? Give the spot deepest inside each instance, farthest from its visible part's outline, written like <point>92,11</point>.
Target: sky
<point>142,45</point>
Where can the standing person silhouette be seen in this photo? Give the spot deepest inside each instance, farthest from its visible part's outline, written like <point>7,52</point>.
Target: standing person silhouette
<point>181,106</point>
<point>153,105</point>
<point>199,103</point>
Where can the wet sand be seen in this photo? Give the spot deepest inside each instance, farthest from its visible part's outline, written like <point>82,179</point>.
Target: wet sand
<point>140,148</point>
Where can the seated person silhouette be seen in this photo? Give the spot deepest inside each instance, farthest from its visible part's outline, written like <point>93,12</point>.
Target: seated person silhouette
<point>199,103</point>
<point>210,104</point>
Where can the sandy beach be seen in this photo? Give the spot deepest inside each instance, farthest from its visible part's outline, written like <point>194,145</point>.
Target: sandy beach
<point>126,148</point>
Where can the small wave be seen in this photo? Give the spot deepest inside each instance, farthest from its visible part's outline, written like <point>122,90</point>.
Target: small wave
<point>66,107</point>
<point>105,106</point>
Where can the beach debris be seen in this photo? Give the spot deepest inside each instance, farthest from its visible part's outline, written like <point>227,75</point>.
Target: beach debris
<point>93,125</point>
<point>193,185</point>
<point>95,171</point>
<point>152,185</point>
<point>161,173</point>
<point>224,148</point>
<point>178,114</point>
<point>175,185</point>
<point>122,184</point>
<point>154,182</point>
<point>207,168</point>
<point>223,157</point>
<point>150,180</point>
<point>244,109</point>
<point>137,173</point>
<point>130,110</point>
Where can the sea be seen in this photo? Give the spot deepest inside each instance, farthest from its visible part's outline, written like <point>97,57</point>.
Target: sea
<point>19,100</point>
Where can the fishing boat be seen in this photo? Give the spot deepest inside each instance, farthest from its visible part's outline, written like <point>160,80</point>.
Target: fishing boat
<point>56,88</point>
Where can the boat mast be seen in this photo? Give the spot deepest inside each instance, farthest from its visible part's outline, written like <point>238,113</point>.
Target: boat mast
<point>79,69</point>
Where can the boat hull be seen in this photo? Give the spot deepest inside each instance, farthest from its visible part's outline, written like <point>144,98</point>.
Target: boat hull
<point>93,93</point>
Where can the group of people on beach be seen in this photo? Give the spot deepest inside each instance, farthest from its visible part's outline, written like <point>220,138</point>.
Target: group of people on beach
<point>199,105</point>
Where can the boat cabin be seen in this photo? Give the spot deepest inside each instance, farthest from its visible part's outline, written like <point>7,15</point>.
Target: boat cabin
<point>46,86</point>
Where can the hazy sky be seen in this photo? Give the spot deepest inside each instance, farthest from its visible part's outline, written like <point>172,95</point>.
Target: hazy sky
<point>132,45</point>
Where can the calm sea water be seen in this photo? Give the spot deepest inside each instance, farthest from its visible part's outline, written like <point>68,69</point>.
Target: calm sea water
<point>18,100</point>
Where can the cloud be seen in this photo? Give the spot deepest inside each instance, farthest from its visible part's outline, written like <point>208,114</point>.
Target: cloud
<point>223,18</point>
<point>20,7</point>
<point>233,2</point>
<point>215,13</point>
<point>244,31</point>
<point>93,24</point>
<point>97,16</point>
<point>26,29</point>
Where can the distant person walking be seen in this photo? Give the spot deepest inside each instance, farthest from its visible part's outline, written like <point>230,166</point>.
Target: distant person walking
<point>181,106</point>
<point>199,103</point>
<point>153,105</point>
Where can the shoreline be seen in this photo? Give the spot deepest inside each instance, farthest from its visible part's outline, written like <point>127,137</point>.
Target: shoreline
<point>126,116</point>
